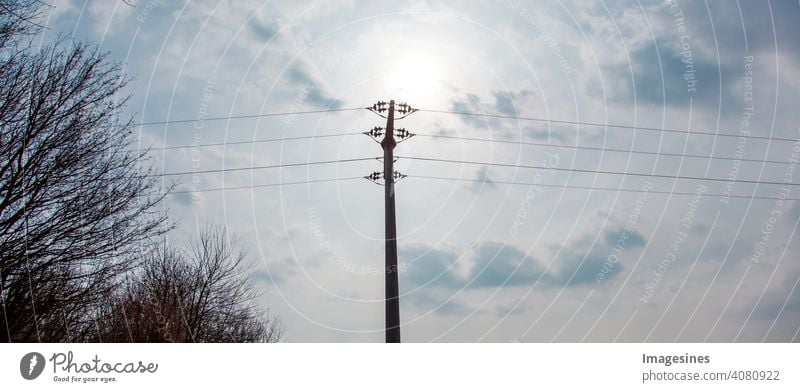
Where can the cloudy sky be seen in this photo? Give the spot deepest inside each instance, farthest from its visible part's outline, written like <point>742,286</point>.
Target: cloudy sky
<point>496,248</point>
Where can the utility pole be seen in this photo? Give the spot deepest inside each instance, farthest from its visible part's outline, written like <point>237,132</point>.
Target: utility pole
<point>392,286</point>
<point>390,176</point>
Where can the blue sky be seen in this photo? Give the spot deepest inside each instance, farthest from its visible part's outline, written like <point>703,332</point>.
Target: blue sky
<point>484,261</point>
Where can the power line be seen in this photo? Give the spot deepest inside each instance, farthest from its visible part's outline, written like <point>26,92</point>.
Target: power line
<point>255,141</point>
<point>245,116</point>
<point>487,181</point>
<point>593,188</point>
<point>266,185</point>
<point>594,124</point>
<point>604,149</point>
<point>502,141</point>
<point>675,177</point>
<point>264,167</point>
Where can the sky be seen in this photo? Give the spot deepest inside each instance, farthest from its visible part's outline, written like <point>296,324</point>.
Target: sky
<point>494,248</point>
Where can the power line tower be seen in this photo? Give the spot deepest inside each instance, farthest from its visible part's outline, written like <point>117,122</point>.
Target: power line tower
<point>390,177</point>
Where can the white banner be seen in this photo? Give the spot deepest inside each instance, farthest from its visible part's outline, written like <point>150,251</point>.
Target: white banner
<point>405,367</point>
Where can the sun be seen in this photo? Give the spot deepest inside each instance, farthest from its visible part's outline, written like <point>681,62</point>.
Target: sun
<point>415,79</point>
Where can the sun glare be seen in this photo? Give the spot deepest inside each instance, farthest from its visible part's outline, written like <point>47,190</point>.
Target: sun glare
<point>415,79</point>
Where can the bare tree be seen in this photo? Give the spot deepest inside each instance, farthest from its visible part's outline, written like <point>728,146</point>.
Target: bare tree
<point>203,295</point>
<point>79,259</point>
<point>17,19</point>
<point>74,202</point>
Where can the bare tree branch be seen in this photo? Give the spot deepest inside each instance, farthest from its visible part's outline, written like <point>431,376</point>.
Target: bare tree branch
<point>71,210</point>
<point>204,295</point>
